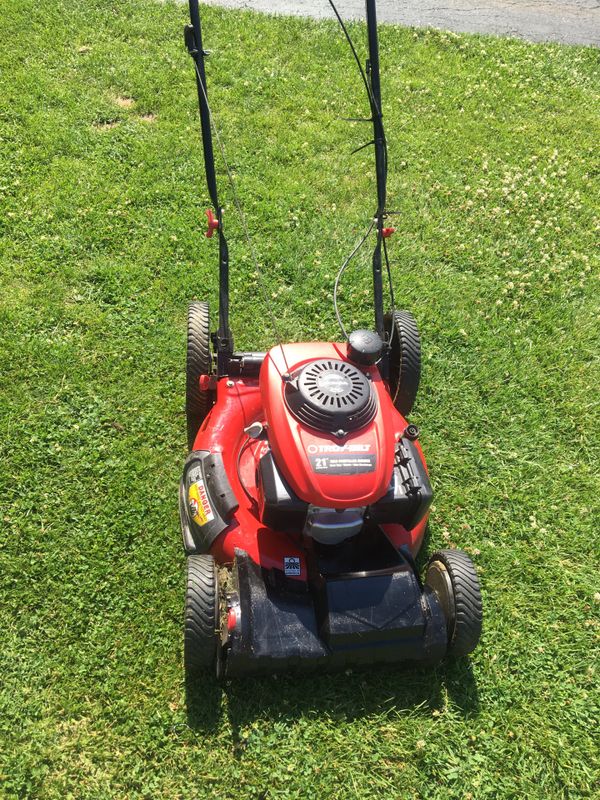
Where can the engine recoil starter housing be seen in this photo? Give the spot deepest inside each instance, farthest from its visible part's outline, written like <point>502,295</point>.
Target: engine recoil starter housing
<point>331,395</point>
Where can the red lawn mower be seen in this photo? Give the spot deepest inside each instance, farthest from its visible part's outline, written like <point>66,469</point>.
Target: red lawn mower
<point>306,481</point>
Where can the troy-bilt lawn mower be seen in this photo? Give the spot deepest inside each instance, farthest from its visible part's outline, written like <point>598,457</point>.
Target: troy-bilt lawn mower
<point>306,480</point>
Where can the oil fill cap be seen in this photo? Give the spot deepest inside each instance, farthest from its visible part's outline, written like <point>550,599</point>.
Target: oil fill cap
<point>364,347</point>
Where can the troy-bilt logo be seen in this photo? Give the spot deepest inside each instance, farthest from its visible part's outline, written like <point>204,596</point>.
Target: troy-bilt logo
<point>313,449</point>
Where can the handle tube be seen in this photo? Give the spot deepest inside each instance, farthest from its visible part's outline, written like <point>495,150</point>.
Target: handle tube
<point>380,160</point>
<point>223,339</point>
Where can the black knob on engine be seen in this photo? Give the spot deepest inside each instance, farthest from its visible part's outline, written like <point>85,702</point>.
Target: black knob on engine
<point>364,347</point>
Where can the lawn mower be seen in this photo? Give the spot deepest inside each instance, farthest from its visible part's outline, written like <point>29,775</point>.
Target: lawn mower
<point>305,496</point>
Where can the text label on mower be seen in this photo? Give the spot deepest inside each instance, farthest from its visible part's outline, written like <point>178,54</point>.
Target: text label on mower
<point>343,464</point>
<point>291,565</point>
<point>199,504</point>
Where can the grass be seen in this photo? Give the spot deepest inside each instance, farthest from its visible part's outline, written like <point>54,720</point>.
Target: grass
<point>494,168</point>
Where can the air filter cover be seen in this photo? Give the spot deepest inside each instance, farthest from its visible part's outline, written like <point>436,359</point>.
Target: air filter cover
<point>331,395</point>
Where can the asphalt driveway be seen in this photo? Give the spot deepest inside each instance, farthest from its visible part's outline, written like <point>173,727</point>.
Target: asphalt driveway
<point>564,21</point>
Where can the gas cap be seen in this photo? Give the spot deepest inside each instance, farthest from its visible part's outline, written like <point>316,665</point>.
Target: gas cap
<point>364,347</point>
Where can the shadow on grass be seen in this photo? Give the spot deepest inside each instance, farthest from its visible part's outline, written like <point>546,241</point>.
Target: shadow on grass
<point>203,698</point>
<point>377,692</point>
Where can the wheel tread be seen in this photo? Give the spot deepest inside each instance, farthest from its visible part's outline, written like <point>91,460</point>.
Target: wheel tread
<point>198,362</point>
<point>468,617</point>
<point>201,614</point>
<point>405,356</point>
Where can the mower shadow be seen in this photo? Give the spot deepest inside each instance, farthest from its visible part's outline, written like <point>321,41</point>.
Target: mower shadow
<point>340,695</point>
<point>344,696</point>
<point>203,699</point>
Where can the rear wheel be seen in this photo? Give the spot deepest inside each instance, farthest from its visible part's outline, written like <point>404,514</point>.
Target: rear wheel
<point>198,362</point>
<point>452,576</point>
<point>405,359</point>
<point>201,616</point>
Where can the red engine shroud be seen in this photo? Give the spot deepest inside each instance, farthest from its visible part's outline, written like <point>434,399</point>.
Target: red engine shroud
<point>242,401</point>
<point>303,453</point>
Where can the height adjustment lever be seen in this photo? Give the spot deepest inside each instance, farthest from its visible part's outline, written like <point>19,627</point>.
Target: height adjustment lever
<point>190,41</point>
<point>212,222</point>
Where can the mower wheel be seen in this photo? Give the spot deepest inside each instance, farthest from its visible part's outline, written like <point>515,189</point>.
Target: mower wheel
<point>198,362</point>
<point>201,616</point>
<point>451,575</point>
<point>405,359</point>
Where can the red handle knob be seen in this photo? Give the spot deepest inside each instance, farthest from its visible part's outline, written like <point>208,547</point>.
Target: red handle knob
<point>387,232</point>
<point>213,223</point>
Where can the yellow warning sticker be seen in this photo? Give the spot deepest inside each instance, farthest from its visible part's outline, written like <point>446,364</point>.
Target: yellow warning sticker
<point>199,504</point>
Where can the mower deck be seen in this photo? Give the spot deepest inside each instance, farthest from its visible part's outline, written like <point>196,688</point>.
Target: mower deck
<point>330,622</point>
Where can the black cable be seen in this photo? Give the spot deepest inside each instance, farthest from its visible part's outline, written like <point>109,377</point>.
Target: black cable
<point>375,110</point>
<point>355,54</point>
<point>341,271</point>
<point>375,114</point>
<point>391,287</point>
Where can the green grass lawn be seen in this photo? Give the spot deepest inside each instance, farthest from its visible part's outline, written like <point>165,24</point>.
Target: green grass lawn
<point>494,168</point>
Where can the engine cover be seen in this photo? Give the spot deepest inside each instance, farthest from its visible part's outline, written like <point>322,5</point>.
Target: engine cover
<point>332,425</point>
<point>331,395</point>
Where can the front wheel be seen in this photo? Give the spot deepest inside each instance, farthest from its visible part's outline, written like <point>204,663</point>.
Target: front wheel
<point>201,616</point>
<point>452,577</point>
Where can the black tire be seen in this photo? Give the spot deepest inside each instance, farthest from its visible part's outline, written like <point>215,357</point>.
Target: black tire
<point>405,359</point>
<point>201,616</point>
<point>198,362</point>
<point>452,576</point>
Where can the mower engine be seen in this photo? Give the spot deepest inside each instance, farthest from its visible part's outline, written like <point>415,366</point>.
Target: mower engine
<point>335,438</point>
